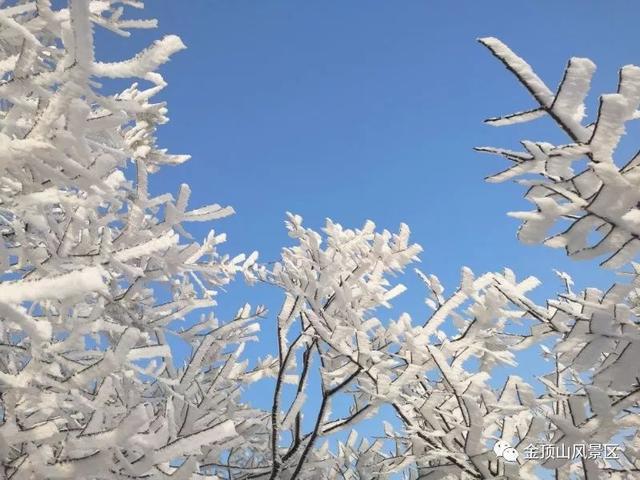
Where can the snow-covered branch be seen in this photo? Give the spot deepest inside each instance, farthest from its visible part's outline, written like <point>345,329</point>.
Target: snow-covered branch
<point>595,206</point>
<point>97,274</point>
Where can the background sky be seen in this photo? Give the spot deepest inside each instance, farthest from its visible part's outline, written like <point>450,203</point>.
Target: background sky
<point>369,109</point>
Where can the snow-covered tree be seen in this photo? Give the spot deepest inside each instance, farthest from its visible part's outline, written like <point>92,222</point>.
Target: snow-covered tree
<point>95,269</point>
<point>449,413</point>
<point>101,284</point>
<point>595,206</point>
<point>588,198</point>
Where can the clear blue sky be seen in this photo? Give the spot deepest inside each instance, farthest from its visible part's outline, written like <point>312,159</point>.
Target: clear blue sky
<point>370,109</point>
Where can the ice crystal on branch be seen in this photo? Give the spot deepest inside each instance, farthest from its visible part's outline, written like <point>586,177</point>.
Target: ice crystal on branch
<point>599,200</point>
<point>100,281</point>
<point>593,391</point>
<point>96,270</point>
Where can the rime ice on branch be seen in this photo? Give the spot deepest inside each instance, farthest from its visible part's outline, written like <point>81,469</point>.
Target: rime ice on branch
<point>435,375</point>
<point>598,200</point>
<point>98,274</point>
<point>593,393</point>
<point>95,269</point>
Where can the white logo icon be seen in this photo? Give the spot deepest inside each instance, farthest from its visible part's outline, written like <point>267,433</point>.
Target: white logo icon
<point>506,451</point>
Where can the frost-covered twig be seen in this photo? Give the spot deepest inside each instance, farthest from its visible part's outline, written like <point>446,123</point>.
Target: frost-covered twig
<point>600,200</point>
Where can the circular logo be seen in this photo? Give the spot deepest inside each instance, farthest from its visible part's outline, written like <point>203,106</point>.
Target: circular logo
<point>502,449</point>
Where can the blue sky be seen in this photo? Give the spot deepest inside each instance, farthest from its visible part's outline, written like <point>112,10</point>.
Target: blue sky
<point>370,110</point>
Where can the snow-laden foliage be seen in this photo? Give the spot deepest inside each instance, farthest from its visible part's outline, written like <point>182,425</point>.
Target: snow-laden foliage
<point>101,286</point>
<point>438,376</point>
<point>593,390</point>
<point>96,270</point>
<point>594,205</point>
<point>330,322</point>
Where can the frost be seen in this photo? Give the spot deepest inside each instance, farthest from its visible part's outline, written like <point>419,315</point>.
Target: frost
<point>66,285</point>
<point>94,269</point>
<point>99,275</point>
<point>595,349</point>
<point>595,207</point>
